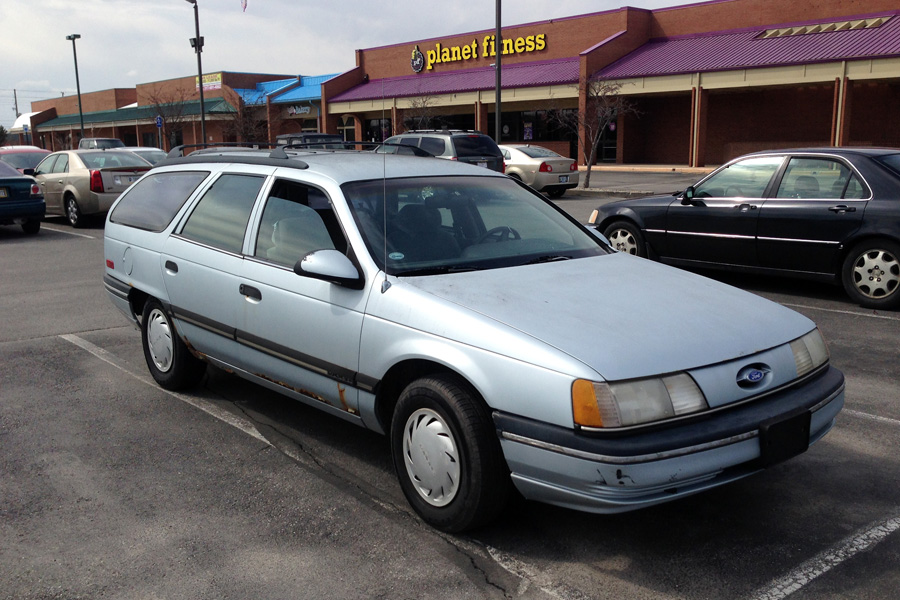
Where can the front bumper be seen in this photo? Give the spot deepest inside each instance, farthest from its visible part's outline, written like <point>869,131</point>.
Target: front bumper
<point>616,473</point>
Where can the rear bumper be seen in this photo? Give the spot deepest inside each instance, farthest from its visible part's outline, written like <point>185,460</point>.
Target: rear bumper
<point>625,472</point>
<point>18,212</point>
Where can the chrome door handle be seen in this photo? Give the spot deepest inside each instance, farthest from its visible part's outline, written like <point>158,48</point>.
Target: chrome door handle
<point>842,208</point>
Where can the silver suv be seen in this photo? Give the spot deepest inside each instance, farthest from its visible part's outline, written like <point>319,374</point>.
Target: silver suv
<point>471,147</point>
<point>495,340</point>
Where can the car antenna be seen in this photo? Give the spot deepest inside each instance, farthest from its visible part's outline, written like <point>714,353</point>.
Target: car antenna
<point>385,284</point>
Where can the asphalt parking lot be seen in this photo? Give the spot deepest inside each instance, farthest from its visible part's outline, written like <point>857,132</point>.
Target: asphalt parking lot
<point>114,488</point>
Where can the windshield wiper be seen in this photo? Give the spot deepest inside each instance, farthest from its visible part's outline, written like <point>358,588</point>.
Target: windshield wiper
<point>443,270</point>
<point>548,258</point>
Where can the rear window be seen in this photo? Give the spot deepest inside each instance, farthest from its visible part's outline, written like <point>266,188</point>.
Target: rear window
<point>537,152</point>
<point>100,160</point>
<point>891,161</point>
<point>476,145</point>
<point>153,202</point>
<point>23,160</point>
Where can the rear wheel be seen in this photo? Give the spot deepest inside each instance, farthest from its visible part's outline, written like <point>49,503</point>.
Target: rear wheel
<point>447,455</point>
<point>170,362</point>
<point>556,193</point>
<point>626,237</point>
<point>871,274</point>
<point>73,212</point>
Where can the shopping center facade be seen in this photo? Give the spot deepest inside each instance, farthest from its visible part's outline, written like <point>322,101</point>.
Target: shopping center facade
<point>706,82</point>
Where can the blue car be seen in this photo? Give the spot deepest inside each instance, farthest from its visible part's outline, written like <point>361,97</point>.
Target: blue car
<point>469,319</point>
<point>21,200</point>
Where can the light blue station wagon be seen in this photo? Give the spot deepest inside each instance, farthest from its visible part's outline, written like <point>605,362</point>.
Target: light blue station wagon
<point>469,319</point>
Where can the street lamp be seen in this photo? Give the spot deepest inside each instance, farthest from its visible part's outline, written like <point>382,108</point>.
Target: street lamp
<point>197,45</point>
<point>74,37</point>
<point>498,81</point>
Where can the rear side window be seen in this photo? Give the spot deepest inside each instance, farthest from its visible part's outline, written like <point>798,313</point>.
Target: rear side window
<point>432,145</point>
<point>153,202</point>
<point>476,145</point>
<point>220,218</point>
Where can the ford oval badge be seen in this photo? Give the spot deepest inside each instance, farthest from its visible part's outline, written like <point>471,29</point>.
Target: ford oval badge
<point>753,376</point>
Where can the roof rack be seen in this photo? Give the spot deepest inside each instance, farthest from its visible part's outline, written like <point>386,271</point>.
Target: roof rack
<point>178,151</point>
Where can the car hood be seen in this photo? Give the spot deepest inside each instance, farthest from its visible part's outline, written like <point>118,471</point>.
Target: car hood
<point>623,316</point>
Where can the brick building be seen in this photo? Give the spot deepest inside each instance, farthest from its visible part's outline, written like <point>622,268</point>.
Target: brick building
<point>709,81</point>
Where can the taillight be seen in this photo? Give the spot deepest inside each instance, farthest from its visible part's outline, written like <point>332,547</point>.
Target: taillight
<point>503,167</point>
<point>35,189</point>
<point>96,182</point>
<point>545,168</point>
<point>573,166</point>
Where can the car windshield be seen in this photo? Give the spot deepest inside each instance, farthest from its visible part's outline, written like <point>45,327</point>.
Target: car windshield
<point>101,159</point>
<point>440,225</point>
<point>537,152</point>
<point>23,160</point>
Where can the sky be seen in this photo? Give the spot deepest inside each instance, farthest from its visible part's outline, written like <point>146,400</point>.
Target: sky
<point>127,42</point>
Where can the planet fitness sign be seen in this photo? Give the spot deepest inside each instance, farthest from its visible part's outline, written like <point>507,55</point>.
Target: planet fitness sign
<point>486,48</point>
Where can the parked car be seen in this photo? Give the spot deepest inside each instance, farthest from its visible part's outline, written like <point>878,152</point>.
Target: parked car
<point>78,183</point>
<point>307,137</point>
<point>21,201</point>
<point>22,157</point>
<point>462,314</point>
<point>470,147</point>
<point>541,168</point>
<point>96,143</point>
<point>828,214</point>
<point>149,153</point>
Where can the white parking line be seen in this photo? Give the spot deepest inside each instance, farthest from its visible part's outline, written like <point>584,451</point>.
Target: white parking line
<point>855,313</point>
<point>863,415</point>
<point>223,415</point>
<point>67,232</point>
<point>824,562</point>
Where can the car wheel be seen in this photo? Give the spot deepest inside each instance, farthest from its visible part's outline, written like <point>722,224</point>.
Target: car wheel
<point>556,193</point>
<point>73,213</point>
<point>626,237</point>
<point>871,274</point>
<point>447,454</point>
<point>170,362</point>
<point>31,226</point>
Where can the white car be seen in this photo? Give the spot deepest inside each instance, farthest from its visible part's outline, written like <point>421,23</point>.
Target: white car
<point>469,319</point>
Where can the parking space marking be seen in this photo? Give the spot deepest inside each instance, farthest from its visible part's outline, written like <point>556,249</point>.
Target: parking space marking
<point>67,232</point>
<point>853,313</point>
<point>863,415</point>
<point>831,558</point>
<point>210,409</point>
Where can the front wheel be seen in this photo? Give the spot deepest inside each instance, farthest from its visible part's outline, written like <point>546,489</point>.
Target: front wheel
<point>170,362</point>
<point>871,274</point>
<point>626,237</point>
<point>447,455</point>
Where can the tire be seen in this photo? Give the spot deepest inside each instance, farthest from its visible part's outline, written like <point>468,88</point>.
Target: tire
<point>556,193</point>
<point>447,455</point>
<point>871,274</point>
<point>73,212</point>
<point>170,362</point>
<point>626,237</point>
<point>31,226</point>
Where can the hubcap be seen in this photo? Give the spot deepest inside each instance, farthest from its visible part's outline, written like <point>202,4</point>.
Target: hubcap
<point>623,241</point>
<point>159,340</point>
<point>431,457</point>
<point>72,210</point>
<point>876,274</point>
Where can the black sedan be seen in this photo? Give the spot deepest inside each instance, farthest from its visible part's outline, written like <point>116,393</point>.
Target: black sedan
<point>21,200</point>
<point>830,214</point>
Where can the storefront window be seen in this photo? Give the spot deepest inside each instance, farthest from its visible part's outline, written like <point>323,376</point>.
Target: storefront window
<point>377,130</point>
<point>347,128</point>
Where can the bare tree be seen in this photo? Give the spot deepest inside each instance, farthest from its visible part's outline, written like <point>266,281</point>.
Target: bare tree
<point>172,107</point>
<point>245,126</point>
<point>422,113</point>
<point>603,105</point>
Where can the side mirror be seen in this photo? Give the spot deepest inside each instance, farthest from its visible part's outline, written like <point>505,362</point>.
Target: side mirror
<point>332,266</point>
<point>687,196</point>
<point>28,172</point>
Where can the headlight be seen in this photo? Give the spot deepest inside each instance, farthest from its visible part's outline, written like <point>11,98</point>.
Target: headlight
<point>635,402</point>
<point>810,352</point>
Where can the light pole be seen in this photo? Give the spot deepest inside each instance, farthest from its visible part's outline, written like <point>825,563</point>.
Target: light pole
<point>197,45</point>
<point>498,82</point>
<point>74,37</point>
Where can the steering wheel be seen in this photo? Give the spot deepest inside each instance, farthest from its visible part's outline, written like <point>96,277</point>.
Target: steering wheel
<point>499,234</point>
<point>733,191</point>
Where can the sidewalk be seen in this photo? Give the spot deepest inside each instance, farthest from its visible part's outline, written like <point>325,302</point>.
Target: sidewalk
<point>633,181</point>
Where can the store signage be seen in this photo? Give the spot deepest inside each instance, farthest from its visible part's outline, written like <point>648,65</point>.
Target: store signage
<point>485,48</point>
<point>213,81</point>
<point>298,110</point>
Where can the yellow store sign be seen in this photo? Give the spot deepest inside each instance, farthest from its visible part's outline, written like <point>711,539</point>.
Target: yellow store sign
<point>484,48</point>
